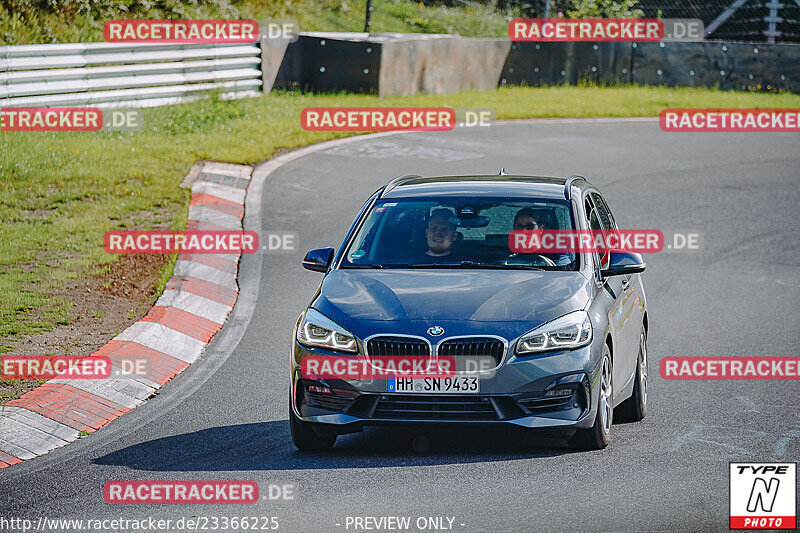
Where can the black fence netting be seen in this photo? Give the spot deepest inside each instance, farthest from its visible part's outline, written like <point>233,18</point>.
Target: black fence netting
<point>729,20</point>
<point>735,20</point>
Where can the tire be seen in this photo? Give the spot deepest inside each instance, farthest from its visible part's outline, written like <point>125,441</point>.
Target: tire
<point>306,438</point>
<point>598,436</point>
<point>634,408</point>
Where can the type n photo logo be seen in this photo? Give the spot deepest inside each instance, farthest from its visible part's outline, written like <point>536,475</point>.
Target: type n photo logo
<point>763,495</point>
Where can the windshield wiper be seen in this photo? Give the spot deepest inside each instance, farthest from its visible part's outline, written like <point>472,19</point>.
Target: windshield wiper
<point>462,264</point>
<point>472,264</point>
<point>364,266</point>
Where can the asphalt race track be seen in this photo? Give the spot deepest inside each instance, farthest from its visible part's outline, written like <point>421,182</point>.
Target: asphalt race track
<point>226,416</point>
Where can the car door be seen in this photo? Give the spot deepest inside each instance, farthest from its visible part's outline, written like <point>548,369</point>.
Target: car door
<point>627,311</point>
<point>608,300</point>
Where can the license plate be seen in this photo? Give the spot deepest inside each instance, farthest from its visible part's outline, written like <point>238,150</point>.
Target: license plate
<point>451,385</point>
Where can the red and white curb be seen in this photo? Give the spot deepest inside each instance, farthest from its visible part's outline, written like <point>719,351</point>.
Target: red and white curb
<point>192,309</point>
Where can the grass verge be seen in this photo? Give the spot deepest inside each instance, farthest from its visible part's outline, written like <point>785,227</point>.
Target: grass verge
<point>60,192</point>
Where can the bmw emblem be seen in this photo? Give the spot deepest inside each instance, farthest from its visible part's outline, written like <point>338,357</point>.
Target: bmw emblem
<point>435,331</point>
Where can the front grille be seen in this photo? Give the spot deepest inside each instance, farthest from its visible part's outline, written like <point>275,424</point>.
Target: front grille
<point>412,407</point>
<point>394,346</point>
<point>477,347</point>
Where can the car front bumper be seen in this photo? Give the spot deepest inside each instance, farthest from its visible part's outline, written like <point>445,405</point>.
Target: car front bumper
<point>555,390</point>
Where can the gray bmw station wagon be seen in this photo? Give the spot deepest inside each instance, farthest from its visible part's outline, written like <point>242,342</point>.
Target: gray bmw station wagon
<point>426,269</point>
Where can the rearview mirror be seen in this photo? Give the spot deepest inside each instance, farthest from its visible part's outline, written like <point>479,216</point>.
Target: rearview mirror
<point>622,264</point>
<point>478,221</point>
<point>318,260</point>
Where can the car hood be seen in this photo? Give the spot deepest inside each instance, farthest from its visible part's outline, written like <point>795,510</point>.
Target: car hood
<point>462,301</point>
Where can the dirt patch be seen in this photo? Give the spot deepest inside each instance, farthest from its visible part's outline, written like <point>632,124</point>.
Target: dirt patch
<point>102,306</point>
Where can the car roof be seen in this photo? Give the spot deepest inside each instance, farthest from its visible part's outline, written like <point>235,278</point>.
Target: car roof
<point>479,185</point>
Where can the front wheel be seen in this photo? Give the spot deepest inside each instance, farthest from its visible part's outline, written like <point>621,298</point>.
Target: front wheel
<point>598,436</point>
<point>305,437</point>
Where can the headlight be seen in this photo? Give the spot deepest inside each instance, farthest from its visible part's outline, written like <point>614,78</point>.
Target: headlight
<point>567,332</point>
<point>321,332</point>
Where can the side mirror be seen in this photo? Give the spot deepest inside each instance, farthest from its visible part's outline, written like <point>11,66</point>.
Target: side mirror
<point>622,264</point>
<point>318,260</point>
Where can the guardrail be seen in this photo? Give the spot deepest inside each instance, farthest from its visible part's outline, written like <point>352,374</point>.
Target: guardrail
<point>110,74</point>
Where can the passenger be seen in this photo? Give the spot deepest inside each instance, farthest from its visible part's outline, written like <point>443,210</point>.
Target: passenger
<point>526,219</point>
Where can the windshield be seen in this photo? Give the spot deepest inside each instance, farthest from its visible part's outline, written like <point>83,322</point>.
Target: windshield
<point>457,233</point>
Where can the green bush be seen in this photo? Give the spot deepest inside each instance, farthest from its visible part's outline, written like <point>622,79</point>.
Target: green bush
<point>605,9</point>
<point>106,9</point>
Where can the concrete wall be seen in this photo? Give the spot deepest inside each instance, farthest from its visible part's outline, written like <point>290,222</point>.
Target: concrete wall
<point>440,66</point>
<point>669,63</point>
<point>319,63</point>
<point>708,64</point>
<point>395,64</point>
<point>566,63</point>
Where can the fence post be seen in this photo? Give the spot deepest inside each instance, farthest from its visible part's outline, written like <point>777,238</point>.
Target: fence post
<point>367,16</point>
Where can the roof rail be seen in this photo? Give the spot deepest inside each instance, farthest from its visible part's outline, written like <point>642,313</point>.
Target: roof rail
<point>399,180</point>
<point>568,185</point>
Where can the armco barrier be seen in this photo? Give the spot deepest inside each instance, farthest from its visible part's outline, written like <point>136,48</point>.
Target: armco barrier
<point>112,73</point>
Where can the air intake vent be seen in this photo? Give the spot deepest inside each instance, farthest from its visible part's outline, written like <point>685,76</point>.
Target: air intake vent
<point>419,407</point>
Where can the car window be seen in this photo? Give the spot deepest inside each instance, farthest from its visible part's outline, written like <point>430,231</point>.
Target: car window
<point>594,221</point>
<point>594,224</point>
<point>410,233</point>
<point>603,212</point>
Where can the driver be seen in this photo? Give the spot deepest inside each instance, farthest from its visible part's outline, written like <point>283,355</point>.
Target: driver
<point>440,233</point>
